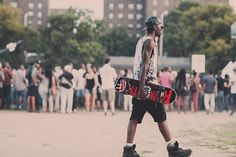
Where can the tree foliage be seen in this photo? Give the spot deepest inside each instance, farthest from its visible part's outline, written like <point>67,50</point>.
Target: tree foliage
<point>193,28</point>
<point>72,37</point>
<point>11,30</point>
<point>117,42</point>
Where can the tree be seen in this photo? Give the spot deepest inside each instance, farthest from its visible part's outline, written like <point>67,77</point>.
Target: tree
<point>72,37</point>
<point>11,30</point>
<point>202,30</point>
<point>117,42</point>
<point>175,35</point>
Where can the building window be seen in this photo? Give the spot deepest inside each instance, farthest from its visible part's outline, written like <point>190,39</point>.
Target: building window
<point>138,25</point>
<point>111,16</point>
<point>111,6</point>
<point>110,25</point>
<point>31,5</point>
<point>121,6</point>
<point>154,2</point>
<point>166,2</point>
<point>14,4</point>
<point>139,6</point>
<point>131,6</point>
<point>39,22</point>
<point>40,14</point>
<point>139,16</point>
<point>130,16</point>
<point>119,24</point>
<point>154,12</point>
<point>130,25</point>
<point>30,22</point>
<point>120,15</point>
<point>40,5</point>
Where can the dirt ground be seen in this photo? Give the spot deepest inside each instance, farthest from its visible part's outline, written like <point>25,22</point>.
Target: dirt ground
<point>82,134</point>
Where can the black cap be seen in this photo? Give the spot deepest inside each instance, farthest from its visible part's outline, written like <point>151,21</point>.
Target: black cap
<point>38,62</point>
<point>151,22</point>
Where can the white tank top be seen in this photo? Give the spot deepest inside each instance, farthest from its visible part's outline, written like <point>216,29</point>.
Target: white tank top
<point>152,67</point>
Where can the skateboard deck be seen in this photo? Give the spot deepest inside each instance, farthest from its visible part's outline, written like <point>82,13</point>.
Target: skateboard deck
<point>155,93</point>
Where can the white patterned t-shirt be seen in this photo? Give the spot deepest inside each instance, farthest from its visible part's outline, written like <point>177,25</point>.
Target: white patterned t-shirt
<point>152,67</point>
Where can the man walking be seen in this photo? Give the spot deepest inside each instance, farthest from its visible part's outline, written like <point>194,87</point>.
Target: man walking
<point>145,69</point>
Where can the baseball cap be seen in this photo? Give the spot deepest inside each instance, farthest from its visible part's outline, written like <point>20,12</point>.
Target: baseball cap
<point>152,21</point>
<point>38,62</point>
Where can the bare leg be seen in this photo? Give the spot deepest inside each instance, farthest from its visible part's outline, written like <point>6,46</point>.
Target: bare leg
<point>92,99</point>
<point>28,103</point>
<point>164,129</point>
<point>131,131</point>
<point>33,103</point>
<point>87,98</point>
<point>105,105</point>
<point>112,105</point>
<point>184,99</point>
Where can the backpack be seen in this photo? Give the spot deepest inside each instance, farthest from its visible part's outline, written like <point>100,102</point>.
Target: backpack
<point>193,88</point>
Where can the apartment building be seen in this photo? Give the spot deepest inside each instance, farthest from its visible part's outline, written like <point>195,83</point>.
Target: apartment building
<point>33,13</point>
<point>131,14</point>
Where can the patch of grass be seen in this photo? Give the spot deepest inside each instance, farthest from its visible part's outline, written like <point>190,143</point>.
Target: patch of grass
<point>228,135</point>
<point>222,138</point>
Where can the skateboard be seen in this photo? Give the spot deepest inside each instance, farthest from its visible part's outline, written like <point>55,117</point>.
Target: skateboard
<point>155,93</point>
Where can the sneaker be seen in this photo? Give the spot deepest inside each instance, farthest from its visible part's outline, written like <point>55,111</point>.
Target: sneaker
<point>175,151</point>
<point>130,152</point>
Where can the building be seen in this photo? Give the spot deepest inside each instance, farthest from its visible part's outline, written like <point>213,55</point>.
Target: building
<point>32,12</point>
<point>126,13</point>
<point>131,14</point>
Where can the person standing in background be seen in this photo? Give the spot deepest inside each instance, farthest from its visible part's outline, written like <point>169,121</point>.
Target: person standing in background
<point>166,79</point>
<point>220,87</point>
<point>57,73</point>
<point>128,98</point>
<point>2,78</point>
<point>195,90</point>
<point>33,76</point>
<point>66,86</point>
<point>210,92</point>
<point>181,90</point>
<point>91,82</point>
<point>233,92</point>
<point>227,93</point>
<point>108,76</point>
<point>80,86</point>
<point>7,85</point>
<point>19,83</point>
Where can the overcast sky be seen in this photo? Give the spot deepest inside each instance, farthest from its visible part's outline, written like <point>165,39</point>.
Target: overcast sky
<point>94,5</point>
<point>233,3</point>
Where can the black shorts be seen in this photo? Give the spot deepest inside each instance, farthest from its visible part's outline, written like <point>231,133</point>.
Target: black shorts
<point>32,90</point>
<point>140,107</point>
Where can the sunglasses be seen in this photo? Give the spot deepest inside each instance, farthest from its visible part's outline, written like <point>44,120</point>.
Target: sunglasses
<point>162,27</point>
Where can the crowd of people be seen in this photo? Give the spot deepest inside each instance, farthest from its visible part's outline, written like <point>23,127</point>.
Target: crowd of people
<point>208,92</point>
<point>39,88</point>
